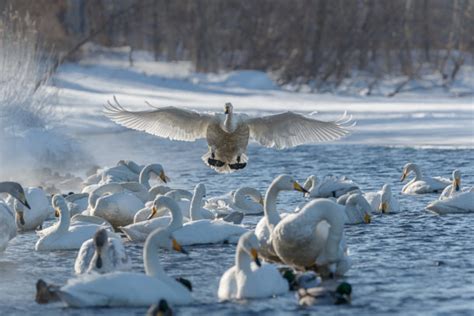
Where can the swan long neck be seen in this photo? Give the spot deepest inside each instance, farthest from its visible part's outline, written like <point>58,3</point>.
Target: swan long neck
<point>417,171</point>
<point>176,216</point>
<point>335,216</point>
<point>64,219</point>
<point>144,177</point>
<point>195,207</point>
<point>269,208</point>
<point>242,202</point>
<point>242,260</point>
<point>229,123</point>
<point>151,259</point>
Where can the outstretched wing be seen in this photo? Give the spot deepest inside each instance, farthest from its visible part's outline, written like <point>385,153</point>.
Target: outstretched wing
<point>290,129</point>
<point>167,122</point>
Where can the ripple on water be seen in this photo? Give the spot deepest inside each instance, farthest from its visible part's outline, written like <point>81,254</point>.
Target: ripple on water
<point>413,262</point>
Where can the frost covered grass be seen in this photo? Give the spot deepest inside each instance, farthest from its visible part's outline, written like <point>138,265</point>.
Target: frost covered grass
<point>29,134</point>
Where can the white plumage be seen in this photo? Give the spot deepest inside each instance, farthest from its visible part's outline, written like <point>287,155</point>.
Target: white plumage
<point>228,135</point>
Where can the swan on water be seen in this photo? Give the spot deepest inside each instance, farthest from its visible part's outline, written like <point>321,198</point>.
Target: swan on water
<point>421,184</point>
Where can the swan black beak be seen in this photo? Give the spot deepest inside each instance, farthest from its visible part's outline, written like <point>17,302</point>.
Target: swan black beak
<point>178,248</point>
<point>298,187</point>
<point>254,254</point>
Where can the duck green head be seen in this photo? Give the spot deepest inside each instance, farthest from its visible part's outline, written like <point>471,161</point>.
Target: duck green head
<point>343,294</point>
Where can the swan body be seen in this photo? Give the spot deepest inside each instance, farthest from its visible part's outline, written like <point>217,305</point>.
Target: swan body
<point>124,171</point>
<point>271,217</point>
<point>329,186</point>
<point>64,236</point>
<point>245,199</point>
<point>313,236</point>
<point>130,288</point>
<point>247,280</point>
<point>459,203</point>
<point>102,254</point>
<point>7,219</point>
<point>383,201</point>
<point>228,134</point>
<point>422,184</point>
<point>29,219</point>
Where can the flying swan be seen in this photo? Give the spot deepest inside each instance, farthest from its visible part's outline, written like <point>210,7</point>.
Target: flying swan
<point>228,134</point>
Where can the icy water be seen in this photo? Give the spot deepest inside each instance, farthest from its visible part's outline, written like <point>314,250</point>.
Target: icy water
<point>413,262</point>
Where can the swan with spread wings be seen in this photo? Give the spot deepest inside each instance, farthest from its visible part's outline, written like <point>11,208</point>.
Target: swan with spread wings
<point>228,133</point>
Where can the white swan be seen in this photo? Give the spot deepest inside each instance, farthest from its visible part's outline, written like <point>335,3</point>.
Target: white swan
<point>63,235</point>
<point>459,203</point>
<point>7,219</point>
<point>271,216</point>
<point>421,184</point>
<point>130,288</point>
<point>245,280</point>
<point>245,199</point>
<point>31,218</point>
<point>357,209</point>
<point>115,204</point>
<point>77,203</point>
<point>102,254</point>
<point>313,237</point>
<point>228,135</point>
<point>383,201</point>
<point>124,170</point>
<point>139,231</point>
<point>455,187</point>
<point>329,186</point>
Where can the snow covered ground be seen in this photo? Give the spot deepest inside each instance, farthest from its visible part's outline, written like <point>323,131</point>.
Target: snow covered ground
<point>417,118</point>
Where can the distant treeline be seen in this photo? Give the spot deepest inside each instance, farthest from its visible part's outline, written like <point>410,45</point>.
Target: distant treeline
<point>318,41</point>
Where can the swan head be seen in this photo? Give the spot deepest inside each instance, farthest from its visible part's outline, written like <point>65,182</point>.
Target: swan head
<point>457,179</point>
<point>163,238</point>
<point>251,245</point>
<point>200,190</point>
<point>162,202</point>
<point>358,200</point>
<point>228,108</point>
<point>384,206</point>
<point>343,294</point>
<point>59,204</point>
<point>15,190</point>
<point>287,183</point>
<point>409,167</point>
<point>100,240</point>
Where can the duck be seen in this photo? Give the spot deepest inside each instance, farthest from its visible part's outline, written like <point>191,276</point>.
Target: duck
<point>329,187</point>
<point>455,187</point>
<point>249,281</point>
<point>313,238</point>
<point>271,217</point>
<point>459,203</point>
<point>65,235</point>
<point>160,309</point>
<point>127,289</point>
<point>326,294</point>
<point>228,134</point>
<point>421,184</point>
<point>31,218</point>
<point>383,201</point>
<point>102,254</point>
<point>8,227</point>
<point>247,200</point>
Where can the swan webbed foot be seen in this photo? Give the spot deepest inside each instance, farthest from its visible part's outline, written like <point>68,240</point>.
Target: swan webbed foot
<point>238,165</point>
<point>215,162</point>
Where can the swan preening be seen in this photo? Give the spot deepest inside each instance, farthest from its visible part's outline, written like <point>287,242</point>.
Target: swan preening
<point>228,134</point>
